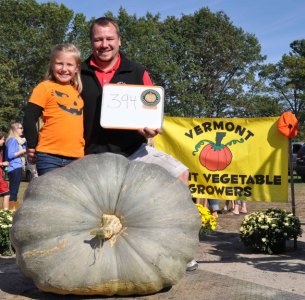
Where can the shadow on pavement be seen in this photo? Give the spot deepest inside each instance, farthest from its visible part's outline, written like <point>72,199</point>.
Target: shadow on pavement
<point>226,247</point>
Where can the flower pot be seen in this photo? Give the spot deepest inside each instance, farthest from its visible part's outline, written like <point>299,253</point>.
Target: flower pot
<point>6,250</point>
<point>267,231</point>
<point>278,247</point>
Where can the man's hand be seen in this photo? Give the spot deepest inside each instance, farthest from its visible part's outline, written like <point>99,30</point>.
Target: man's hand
<point>150,133</point>
<point>31,155</point>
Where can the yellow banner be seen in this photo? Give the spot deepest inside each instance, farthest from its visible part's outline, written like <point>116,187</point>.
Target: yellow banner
<point>230,159</point>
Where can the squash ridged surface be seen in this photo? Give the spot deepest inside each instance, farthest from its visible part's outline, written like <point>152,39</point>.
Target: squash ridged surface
<point>52,231</point>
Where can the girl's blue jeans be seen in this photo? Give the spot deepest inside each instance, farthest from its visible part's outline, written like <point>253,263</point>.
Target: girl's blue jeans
<point>46,162</point>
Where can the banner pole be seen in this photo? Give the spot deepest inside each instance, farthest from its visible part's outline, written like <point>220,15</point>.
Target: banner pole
<point>292,186</point>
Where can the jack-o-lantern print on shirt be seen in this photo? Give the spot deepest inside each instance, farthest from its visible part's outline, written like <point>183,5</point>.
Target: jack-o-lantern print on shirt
<point>71,104</point>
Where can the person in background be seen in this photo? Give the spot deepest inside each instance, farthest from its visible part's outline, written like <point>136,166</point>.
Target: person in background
<point>57,100</point>
<point>214,207</point>
<point>107,64</point>
<point>15,156</point>
<point>239,207</point>
<point>4,190</point>
<point>211,204</point>
<point>227,208</point>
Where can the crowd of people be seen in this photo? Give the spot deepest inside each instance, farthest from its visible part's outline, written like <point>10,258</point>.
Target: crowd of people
<point>68,101</point>
<point>231,207</point>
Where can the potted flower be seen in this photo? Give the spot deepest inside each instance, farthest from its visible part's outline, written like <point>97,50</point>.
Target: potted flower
<point>208,221</point>
<point>267,231</point>
<point>6,219</point>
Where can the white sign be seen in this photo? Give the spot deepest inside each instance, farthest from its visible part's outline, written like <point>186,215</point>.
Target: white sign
<point>126,106</point>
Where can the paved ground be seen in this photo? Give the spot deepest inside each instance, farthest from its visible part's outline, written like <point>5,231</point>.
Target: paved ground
<point>227,270</point>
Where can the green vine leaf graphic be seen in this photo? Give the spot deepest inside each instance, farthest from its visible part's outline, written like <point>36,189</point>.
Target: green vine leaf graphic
<point>199,144</point>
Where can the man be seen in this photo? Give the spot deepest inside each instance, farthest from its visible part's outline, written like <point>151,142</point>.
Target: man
<point>108,65</point>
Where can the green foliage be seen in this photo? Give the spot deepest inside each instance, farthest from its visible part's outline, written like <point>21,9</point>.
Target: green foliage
<point>79,34</point>
<point>208,221</point>
<point>254,105</point>
<point>9,83</point>
<point>202,60</point>
<point>207,66</point>
<point>6,219</point>
<point>28,31</point>
<point>266,230</point>
<point>285,81</point>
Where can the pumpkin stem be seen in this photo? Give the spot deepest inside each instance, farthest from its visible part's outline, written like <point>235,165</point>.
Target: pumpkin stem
<point>219,137</point>
<point>110,226</point>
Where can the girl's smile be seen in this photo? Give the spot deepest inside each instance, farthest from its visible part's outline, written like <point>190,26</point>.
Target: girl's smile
<point>64,67</point>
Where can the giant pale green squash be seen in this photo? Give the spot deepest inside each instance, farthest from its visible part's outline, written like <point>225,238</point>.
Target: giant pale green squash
<point>105,225</point>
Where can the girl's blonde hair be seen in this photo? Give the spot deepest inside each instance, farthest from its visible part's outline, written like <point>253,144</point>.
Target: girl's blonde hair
<point>66,48</point>
<point>12,132</point>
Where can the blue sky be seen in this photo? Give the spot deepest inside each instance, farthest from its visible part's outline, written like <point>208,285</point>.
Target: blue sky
<point>276,23</point>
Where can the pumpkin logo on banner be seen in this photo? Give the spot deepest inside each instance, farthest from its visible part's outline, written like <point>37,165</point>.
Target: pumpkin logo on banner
<point>215,156</point>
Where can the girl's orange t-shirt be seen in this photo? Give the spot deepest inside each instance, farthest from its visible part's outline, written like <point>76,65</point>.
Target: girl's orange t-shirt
<point>62,131</point>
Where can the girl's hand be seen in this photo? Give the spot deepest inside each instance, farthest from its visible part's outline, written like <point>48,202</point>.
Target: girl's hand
<point>31,155</point>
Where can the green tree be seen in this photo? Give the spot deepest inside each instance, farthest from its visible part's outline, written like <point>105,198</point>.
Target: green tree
<point>217,61</point>
<point>9,83</point>
<point>28,31</point>
<point>285,81</point>
<point>78,34</point>
<point>206,65</point>
<point>142,41</point>
<point>203,61</point>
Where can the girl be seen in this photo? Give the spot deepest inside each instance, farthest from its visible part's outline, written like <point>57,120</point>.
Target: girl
<point>15,155</point>
<point>57,100</point>
<point>4,190</point>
